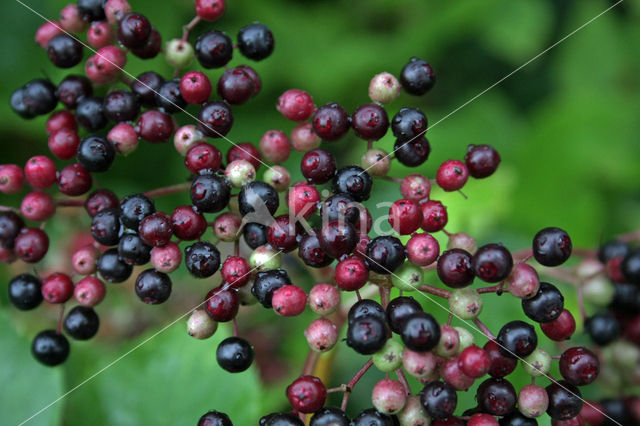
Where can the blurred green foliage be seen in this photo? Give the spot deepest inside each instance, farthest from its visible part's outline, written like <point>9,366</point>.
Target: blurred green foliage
<point>566,126</point>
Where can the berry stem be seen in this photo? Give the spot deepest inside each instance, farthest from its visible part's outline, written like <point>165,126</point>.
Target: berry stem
<point>384,296</point>
<point>60,319</point>
<point>68,202</point>
<point>353,382</point>
<point>235,327</point>
<point>403,379</point>
<point>492,289</point>
<point>8,209</point>
<point>236,247</point>
<point>187,28</point>
<point>561,274</point>
<point>440,292</point>
<point>310,362</point>
<point>484,329</point>
<point>167,190</point>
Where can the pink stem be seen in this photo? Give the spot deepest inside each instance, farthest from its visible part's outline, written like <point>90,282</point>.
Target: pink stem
<point>60,319</point>
<point>68,202</point>
<point>484,329</point>
<point>440,292</point>
<point>354,381</point>
<point>403,379</point>
<point>167,190</point>
<point>187,28</point>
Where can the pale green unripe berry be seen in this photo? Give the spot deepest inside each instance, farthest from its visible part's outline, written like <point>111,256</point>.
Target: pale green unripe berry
<point>598,290</point>
<point>384,88</point>
<point>389,358</point>
<point>466,338</point>
<point>537,363</point>
<point>465,303</point>
<point>419,364</point>
<point>240,173</point>
<point>278,177</point>
<point>376,162</point>
<point>200,325</point>
<point>413,413</point>
<point>533,401</point>
<point>408,277</point>
<point>449,342</point>
<point>462,241</point>
<point>179,53</point>
<point>389,396</point>
<point>264,258</point>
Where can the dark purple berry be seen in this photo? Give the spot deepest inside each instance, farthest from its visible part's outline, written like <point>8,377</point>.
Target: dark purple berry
<point>258,198</point>
<point>420,332</point>
<point>266,283</point>
<point>399,309</point>
<point>517,339</point>
<point>417,77</point>
<point>202,259</point>
<point>112,268</point>
<point>366,335</point>
<point>96,153</point>
<point>50,348</point>
<point>492,263</point>
<point>552,246</point>
<point>412,153</point>
<point>496,396</point>
<point>146,85</point>
<point>354,181</point>
<point>234,354</point>
<point>455,268</point>
<point>385,254</point>
<point>121,105</point>
<point>134,30</point>
<point>25,292</point>
<point>215,119</point>
<point>210,193</point>
<point>565,400</point>
<point>64,51</point>
<point>81,323</point>
<point>213,49</point>
<point>408,123</point>
<point>330,122</point>
<point>439,399</point>
<point>255,41</point>
<point>546,305</point>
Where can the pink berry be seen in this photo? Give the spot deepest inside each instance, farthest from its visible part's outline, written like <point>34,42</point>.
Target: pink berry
<point>419,364</point>
<point>187,136</point>
<point>295,105</point>
<point>376,162</point>
<point>124,138</point>
<point>384,88</point>
<point>83,260</point>
<point>57,288</point>
<point>278,177</point>
<point>100,34</point>
<point>523,282</point>
<point>452,175</point>
<point>405,217</point>
<point>275,146</point>
<point>7,255</point>
<point>100,200</point>
<point>453,375</point>
<point>188,224</point>
<point>106,64</point>
<point>236,271</point>
<point>533,401</point>
<point>351,273</point>
<point>289,301</point>
<point>61,120</point>
<point>422,249</point>
<point>195,87</point>
<point>561,328</point>
<point>166,258</point>
<point>203,156</point>
<point>227,226</point>
<point>245,151</point>
<point>303,199</point>
<point>303,139</point>
<point>31,244</point>
<point>324,299</point>
<point>449,343</point>
<point>46,32</point>
<point>40,172</point>
<point>482,419</point>
<point>389,396</point>
<point>115,10</point>
<point>434,216</point>
<point>307,394</point>
<point>63,143</point>
<point>11,178</point>
<point>415,187</point>
<point>71,19</point>
<point>210,10</point>
<point>37,206</point>
<point>89,291</point>
<point>321,334</point>
<point>474,361</point>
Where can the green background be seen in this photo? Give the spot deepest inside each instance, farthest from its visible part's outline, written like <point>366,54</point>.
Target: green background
<point>566,127</point>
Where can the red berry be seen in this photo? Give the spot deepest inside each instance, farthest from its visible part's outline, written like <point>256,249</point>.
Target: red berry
<point>89,291</point>
<point>188,224</point>
<point>40,172</point>
<point>100,34</point>
<point>63,143</point>
<point>235,271</point>
<point>579,366</point>
<point>155,126</point>
<point>74,180</point>
<point>303,200</point>
<point>31,244</point>
<point>295,105</point>
<point>57,288</point>
<point>318,166</point>
<point>282,234</point>
<point>289,300</point>
<point>37,206</point>
<point>307,394</point>
<point>500,365</point>
<point>11,178</point>
<point>415,187</point>
<point>523,282</point>
<point>222,304</point>
<point>275,146</point>
<point>560,328</point>
<point>434,215</point>
<point>481,160</point>
<point>210,10</point>
<point>405,217</point>
<point>370,122</point>
<point>203,156</point>
<point>195,87</point>
<point>351,273</point>
<point>156,229</point>
<point>422,249</point>
<point>245,151</point>
<point>453,375</point>
<point>482,419</point>
<point>61,120</point>
<point>474,362</point>
<point>124,138</point>
<point>71,19</point>
<point>100,200</point>
<point>452,175</point>
<point>105,65</point>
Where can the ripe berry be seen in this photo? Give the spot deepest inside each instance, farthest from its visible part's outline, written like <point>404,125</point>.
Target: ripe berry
<point>210,193</point>
<point>134,30</point>
<point>551,246</point>
<point>153,287</point>
<point>282,234</point>
<point>266,283</point>
<point>481,160</point>
<point>133,250</point>
<point>169,98</point>
<point>340,207</point>
<point>154,126</point>
<point>255,41</point>
<point>25,292</point>
<point>365,308</point>
<point>187,223</point>
<point>106,65</point>
<point>517,339</point>
<point>370,122</point>
<point>37,206</point>
<point>89,291</point>
<point>603,328</point>
<point>422,249</point>
<point>37,97</point>
<point>275,146</point>
<point>420,332</point>
<point>106,227</point>
<point>81,323</point>
<point>113,269</point>
<point>354,181</point>
<point>40,172</point>
<point>330,122</point>
<point>579,366</point>
<point>256,197</point>
<point>202,259</point>
<point>151,48</point>
<point>452,175</point>
<point>318,166</point>
<point>565,400</point>
<point>371,416</point>
<point>63,143</point>
<point>435,216</point>
<point>195,87</point>
<point>329,416</point>
<point>399,309</point>
<point>405,217</point>
<point>72,89</point>
<point>523,282</point>
<point>496,396</point>
<point>210,10</point>
<point>146,85</point>
<point>236,86</point>
<point>561,328</point>
<point>351,273</point>
<point>215,119</point>
<point>234,354</point>
<point>10,226</point>
<point>50,348</point>
<point>546,305</point>
<point>214,418</point>
<point>303,200</point>
<point>213,49</point>
<point>222,304</point>
<point>91,10</point>
<point>501,365</point>
<point>255,235</point>
<point>492,263</point>
<point>384,88</point>
<point>412,152</point>
<point>517,419</point>
<point>156,229</point>
<point>439,399</point>
<point>121,105</point>
<point>134,208</point>
<point>203,156</point>
<point>417,77</point>
<point>385,254</point>
<point>64,51</point>
<point>307,394</point>
<point>31,244</point>
<point>338,239</point>
<point>281,419</point>
<point>455,268</point>
<point>74,180</point>
<point>12,178</point>
<point>408,123</point>
<point>474,362</point>
<point>296,105</point>
<point>90,115</point>
<point>57,288</point>
<point>630,267</point>
<point>366,335</point>
<point>96,153</point>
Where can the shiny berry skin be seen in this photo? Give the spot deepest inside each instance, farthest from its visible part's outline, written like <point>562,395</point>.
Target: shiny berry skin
<point>121,105</point>
<point>351,273</point>
<point>255,41</point>
<point>579,366</point>
<point>517,419</point>
<point>133,250</point>
<point>373,417</point>
<point>275,146</point>
<point>420,332</point>
<point>501,365</point>
<point>96,153</point>
<point>188,224</point>
<point>213,49</point>
<point>214,418</point>
<point>492,263</point>
<point>417,77</point>
<point>385,254</point>
<point>156,229</point>
<point>370,122</point>
<point>113,269</point>
<point>166,258</point>
<point>282,234</point>
<point>281,419</point>
<point>72,89</point>
<point>81,323</point>
<point>408,123</point>
<point>124,138</point>
<point>61,120</point>
<point>405,217</point>
<point>565,400</point>
<point>168,98</point>
<point>354,181</point>
<point>365,308</point>
<point>603,328</point>
<point>106,227</point>
<point>235,271</point>
<point>90,115</point>
<point>63,143</point>
<point>546,305</point>
<point>202,259</point>
<point>303,200</point>
<point>340,207</point>
<point>203,156</point>
<point>399,309</point>
<point>481,160</point>
<point>215,119</point>
<point>106,65</point>
<point>151,48</point>
<point>100,200</point>
<point>155,126</point>
<point>222,304</point>
<point>64,51</point>
<point>496,396</point>
<point>74,180</point>
<point>25,292</point>
<point>234,354</point>
<point>329,416</point>
<point>289,301</point>
<point>37,97</point>
<point>562,328</point>
<point>517,339</point>
<point>435,216</point>
<point>146,85</point>
<point>37,206</point>
<point>311,253</point>
<point>439,399</point>
<point>195,87</point>
<point>57,288</point>
<point>415,187</point>
<point>366,335</point>
<point>295,105</point>
<point>318,166</point>
<point>31,244</point>
<point>452,175</point>
<point>134,208</point>
<point>422,249</point>
<point>257,196</point>
<point>236,86</point>
<point>40,172</point>
<point>12,177</point>
<point>330,122</point>
<point>89,291</point>
<point>474,361</point>
<point>210,10</point>
<point>551,246</point>
<point>630,267</point>
<point>50,348</point>
<point>255,235</point>
<point>338,239</point>
<point>134,30</point>
<point>10,225</point>
<point>245,151</point>
<point>412,152</point>
<point>455,268</point>
<point>266,283</point>
<point>153,287</point>
<point>210,193</point>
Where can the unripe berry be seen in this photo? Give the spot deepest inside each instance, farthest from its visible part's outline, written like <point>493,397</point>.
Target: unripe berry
<point>452,175</point>
<point>57,288</point>
<point>200,325</point>
<point>598,290</point>
<point>384,88</point>
<point>465,303</point>
<point>11,178</point>
<point>422,249</point>
<point>376,162</point>
<point>89,291</point>
<point>227,227</point>
<point>40,172</point>
<point>167,258</point>
<point>31,244</point>
<point>114,10</point>
<point>533,401</point>
<point>186,137</point>
<point>324,299</point>
<point>46,32</point>
<point>210,10</point>
<point>449,343</point>
<point>289,301</point>
<point>124,138</point>
<point>61,120</point>
<point>275,146</point>
<point>413,413</point>
<point>105,65</point>
<point>83,260</point>
<point>240,173</point>
<point>37,206</point>
<point>523,282</point>
<point>295,105</point>
<point>321,334</point>
<point>303,138</point>
<point>303,199</point>
<point>474,362</point>
<point>263,258</point>
<point>389,396</point>
<point>415,187</point>
<point>462,240</point>
<point>538,363</point>
<point>453,375</point>
<point>408,277</point>
<point>389,358</point>
<point>278,177</point>
<point>466,338</point>
<point>419,364</point>
<point>100,34</point>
